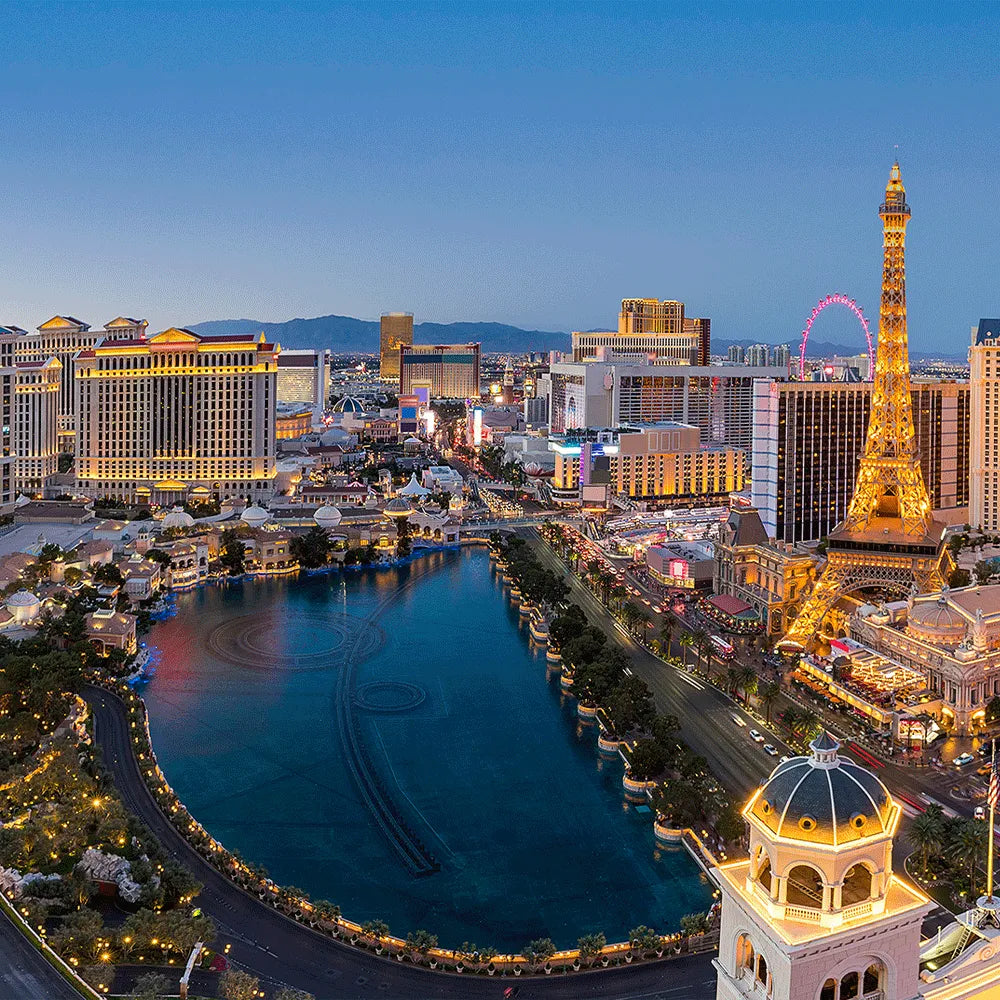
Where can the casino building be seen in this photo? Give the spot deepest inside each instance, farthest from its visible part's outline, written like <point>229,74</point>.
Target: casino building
<point>176,414</point>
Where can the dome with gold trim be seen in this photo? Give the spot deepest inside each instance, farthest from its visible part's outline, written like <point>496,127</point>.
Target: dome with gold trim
<point>823,799</point>
<point>938,622</point>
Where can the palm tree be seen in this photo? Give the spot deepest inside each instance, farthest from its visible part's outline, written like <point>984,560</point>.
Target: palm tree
<point>969,848</point>
<point>926,832</point>
<point>687,641</point>
<point>767,694</point>
<point>746,678</point>
<point>641,617</point>
<point>593,571</point>
<point>807,723</point>
<point>667,631</point>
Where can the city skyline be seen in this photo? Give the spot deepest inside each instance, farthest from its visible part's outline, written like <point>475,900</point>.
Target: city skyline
<point>330,180</point>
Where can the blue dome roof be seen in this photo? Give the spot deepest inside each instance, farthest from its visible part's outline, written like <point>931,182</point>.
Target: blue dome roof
<point>348,404</point>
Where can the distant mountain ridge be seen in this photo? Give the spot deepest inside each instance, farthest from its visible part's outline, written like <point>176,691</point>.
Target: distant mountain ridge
<point>344,334</point>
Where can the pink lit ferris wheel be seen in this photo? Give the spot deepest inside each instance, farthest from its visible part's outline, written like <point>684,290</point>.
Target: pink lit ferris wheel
<point>837,300</point>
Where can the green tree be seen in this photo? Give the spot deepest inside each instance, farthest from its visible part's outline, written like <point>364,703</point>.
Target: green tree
<point>983,570</point>
<point>959,577</point>
<point>647,760</point>
<point>590,946</point>
<point>694,923</point>
<point>100,975</point>
<point>375,930</point>
<point>231,552</point>
<point>993,709</point>
<point>159,556</point>
<point>538,952</point>
<point>235,984</point>
<point>108,575</point>
<point>290,993</point>
<point>927,834</point>
<point>150,986</point>
<point>643,939</point>
<point>630,705</point>
<point>768,693</point>
<point>687,642</point>
<point>421,941</point>
<point>969,848</point>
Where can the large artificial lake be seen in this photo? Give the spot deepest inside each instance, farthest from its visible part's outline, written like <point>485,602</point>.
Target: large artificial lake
<point>275,701</point>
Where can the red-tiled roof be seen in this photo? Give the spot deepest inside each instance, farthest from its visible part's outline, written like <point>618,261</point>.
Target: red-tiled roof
<point>729,605</point>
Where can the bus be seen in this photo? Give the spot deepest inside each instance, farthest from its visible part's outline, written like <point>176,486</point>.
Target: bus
<point>723,650</point>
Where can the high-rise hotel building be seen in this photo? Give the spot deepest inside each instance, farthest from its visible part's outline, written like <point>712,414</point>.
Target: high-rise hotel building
<point>984,380</point>
<point>716,399</point>
<point>62,337</point>
<point>174,414</point>
<point>808,438</point>
<point>8,337</point>
<point>304,377</point>
<point>445,371</point>
<point>650,330</point>
<point>36,424</point>
<point>395,331</point>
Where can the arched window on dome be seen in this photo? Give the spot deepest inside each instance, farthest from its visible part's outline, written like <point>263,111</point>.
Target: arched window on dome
<point>857,886</point>
<point>873,979</point>
<point>829,991</point>
<point>805,887</point>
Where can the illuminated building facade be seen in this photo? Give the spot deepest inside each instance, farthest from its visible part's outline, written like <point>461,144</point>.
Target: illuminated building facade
<point>8,338</point>
<point>650,329</point>
<point>36,423</point>
<point>448,371</point>
<point>816,912</point>
<point>953,639</point>
<point>163,415</point>
<point>771,576</point>
<point>984,378</point>
<point>888,540</point>
<point>62,337</point>
<point>807,443</point>
<point>718,400</point>
<point>654,462</point>
<point>304,377</point>
<point>395,331</point>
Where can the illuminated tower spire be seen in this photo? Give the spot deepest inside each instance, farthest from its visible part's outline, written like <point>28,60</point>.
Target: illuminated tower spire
<point>888,540</point>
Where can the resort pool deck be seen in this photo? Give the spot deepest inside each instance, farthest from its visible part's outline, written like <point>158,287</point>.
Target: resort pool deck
<point>311,723</point>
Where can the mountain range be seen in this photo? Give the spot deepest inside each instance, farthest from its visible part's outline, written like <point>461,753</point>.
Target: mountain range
<point>345,334</point>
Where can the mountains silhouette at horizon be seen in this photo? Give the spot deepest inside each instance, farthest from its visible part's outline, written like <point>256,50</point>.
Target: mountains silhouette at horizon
<point>346,334</point>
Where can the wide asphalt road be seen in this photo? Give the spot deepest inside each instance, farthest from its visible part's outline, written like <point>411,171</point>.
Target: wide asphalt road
<point>704,712</point>
<point>282,951</point>
<point>24,973</point>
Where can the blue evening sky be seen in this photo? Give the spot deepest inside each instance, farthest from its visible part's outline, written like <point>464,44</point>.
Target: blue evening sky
<point>530,164</point>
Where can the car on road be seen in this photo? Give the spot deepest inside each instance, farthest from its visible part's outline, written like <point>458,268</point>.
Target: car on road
<point>962,759</point>
<point>770,749</point>
<point>784,758</point>
<point>756,737</point>
<point>985,750</point>
<point>738,720</point>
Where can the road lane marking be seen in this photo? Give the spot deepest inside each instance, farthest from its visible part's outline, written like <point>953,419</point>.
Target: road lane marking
<point>690,680</point>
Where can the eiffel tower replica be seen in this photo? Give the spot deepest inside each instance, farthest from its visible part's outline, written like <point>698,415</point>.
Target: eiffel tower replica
<point>888,540</point>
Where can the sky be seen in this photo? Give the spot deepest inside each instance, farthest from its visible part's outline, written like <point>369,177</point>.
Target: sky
<point>530,164</point>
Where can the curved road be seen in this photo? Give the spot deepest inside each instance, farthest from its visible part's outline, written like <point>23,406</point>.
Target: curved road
<point>24,973</point>
<point>282,951</point>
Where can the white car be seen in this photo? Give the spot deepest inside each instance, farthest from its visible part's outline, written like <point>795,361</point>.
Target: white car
<point>963,759</point>
<point>756,737</point>
<point>770,750</point>
<point>738,720</point>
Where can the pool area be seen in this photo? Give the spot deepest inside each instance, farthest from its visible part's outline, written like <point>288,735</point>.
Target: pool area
<point>388,740</point>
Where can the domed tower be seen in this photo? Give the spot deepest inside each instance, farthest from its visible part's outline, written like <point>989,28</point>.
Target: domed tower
<point>816,912</point>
